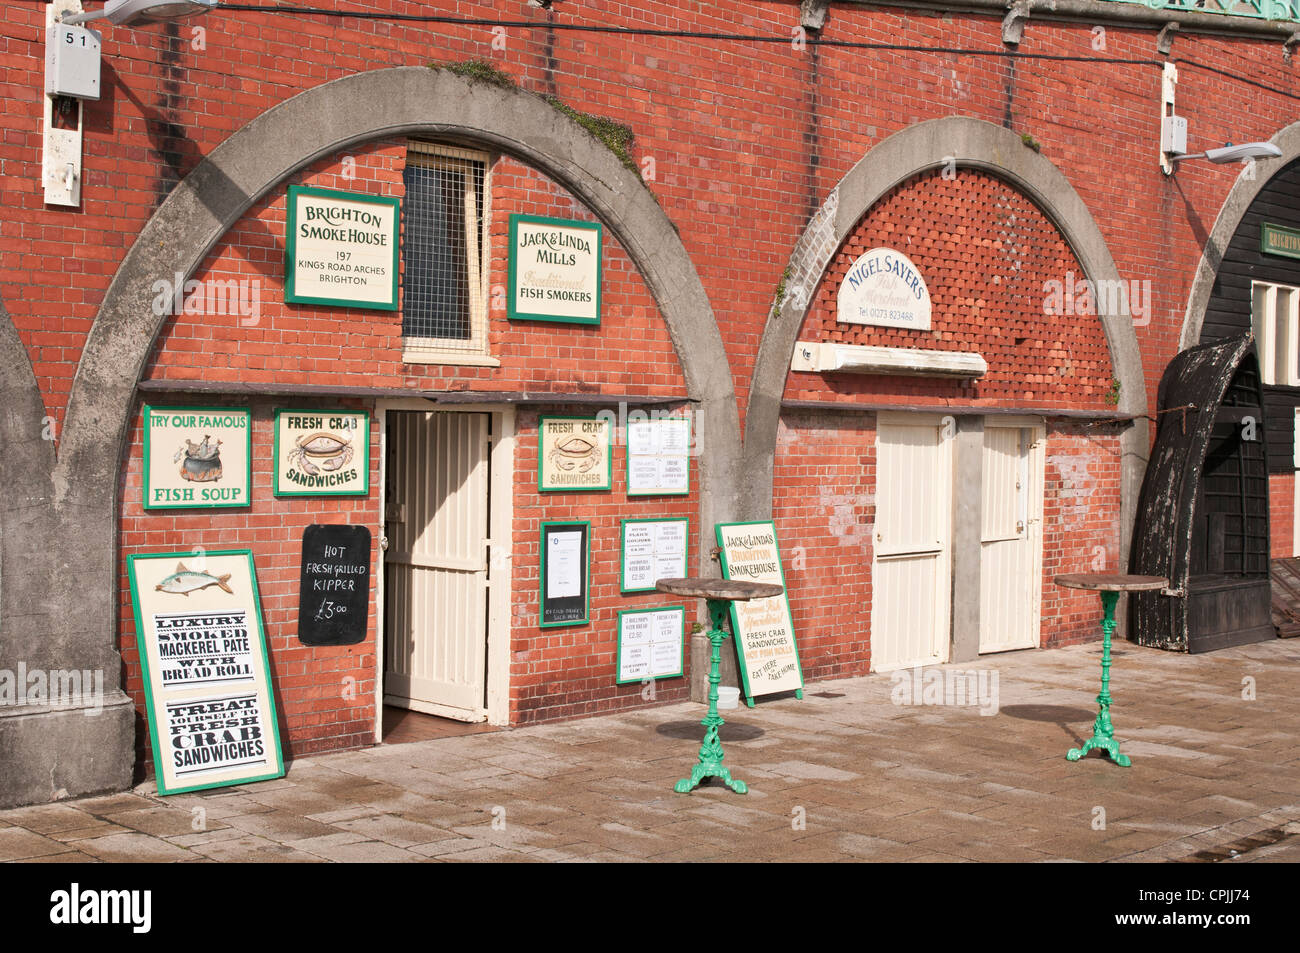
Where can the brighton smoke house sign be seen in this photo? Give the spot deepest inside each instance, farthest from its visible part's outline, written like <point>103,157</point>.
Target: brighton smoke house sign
<point>883,287</point>
<point>341,249</point>
<point>554,270</point>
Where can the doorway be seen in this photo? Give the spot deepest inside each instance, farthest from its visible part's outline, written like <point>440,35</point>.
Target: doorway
<point>446,542</point>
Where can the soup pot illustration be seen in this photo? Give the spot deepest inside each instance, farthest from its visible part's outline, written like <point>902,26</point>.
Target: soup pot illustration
<point>202,460</point>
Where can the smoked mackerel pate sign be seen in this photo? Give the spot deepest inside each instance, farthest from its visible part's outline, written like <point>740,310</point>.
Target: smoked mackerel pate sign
<point>883,287</point>
<point>554,270</point>
<point>341,249</point>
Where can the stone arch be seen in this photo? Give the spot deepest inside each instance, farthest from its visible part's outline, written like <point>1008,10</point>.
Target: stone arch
<point>1244,191</point>
<point>80,528</point>
<point>969,143</point>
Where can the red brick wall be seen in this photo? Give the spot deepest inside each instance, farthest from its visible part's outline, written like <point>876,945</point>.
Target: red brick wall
<point>986,254</point>
<point>1281,514</point>
<point>325,695</point>
<point>560,672</point>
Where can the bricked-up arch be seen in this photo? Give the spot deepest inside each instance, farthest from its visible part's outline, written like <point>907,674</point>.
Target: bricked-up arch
<point>392,102</point>
<point>1250,182</point>
<point>958,142</point>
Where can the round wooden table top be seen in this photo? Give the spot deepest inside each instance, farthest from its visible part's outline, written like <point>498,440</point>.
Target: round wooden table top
<point>1111,582</point>
<point>731,590</point>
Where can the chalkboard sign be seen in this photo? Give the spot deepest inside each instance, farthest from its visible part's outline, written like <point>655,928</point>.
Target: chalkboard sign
<point>564,576</point>
<point>334,592</point>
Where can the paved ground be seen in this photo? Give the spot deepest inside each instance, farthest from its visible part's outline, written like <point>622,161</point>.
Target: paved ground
<point>845,774</point>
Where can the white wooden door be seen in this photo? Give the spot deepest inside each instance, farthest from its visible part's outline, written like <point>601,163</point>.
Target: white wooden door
<point>436,564</point>
<point>912,561</point>
<point>1011,539</point>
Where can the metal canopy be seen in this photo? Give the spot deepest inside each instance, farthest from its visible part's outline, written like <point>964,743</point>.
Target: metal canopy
<point>1202,517</point>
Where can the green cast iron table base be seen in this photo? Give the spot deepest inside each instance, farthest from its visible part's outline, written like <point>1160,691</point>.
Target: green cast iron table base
<point>710,763</point>
<point>1103,735</point>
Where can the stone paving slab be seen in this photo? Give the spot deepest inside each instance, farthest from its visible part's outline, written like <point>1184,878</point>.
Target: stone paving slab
<point>851,778</point>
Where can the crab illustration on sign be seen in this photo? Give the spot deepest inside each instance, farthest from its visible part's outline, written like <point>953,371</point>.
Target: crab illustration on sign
<point>202,460</point>
<point>576,453</point>
<point>319,451</point>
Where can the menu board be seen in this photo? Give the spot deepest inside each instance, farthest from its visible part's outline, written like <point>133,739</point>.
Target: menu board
<point>196,457</point>
<point>763,628</point>
<point>650,643</point>
<point>574,453</point>
<point>564,575</point>
<point>198,629</point>
<point>334,586</point>
<point>652,550</point>
<point>658,457</point>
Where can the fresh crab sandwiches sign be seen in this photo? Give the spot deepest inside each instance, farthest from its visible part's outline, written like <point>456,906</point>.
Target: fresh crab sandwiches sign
<point>322,453</point>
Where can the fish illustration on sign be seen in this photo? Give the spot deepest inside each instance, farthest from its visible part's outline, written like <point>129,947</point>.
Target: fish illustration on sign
<point>185,581</point>
<point>328,450</point>
<point>202,460</point>
<point>575,453</point>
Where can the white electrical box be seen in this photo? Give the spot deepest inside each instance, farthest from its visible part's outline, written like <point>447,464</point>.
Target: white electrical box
<point>1174,135</point>
<point>72,62</point>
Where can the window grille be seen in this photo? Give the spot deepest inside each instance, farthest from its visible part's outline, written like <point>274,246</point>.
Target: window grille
<point>1275,317</point>
<point>444,252</point>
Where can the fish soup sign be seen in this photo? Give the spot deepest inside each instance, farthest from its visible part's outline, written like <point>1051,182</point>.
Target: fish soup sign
<point>883,287</point>
<point>341,249</point>
<point>554,270</point>
<point>199,632</point>
<point>322,453</point>
<point>197,457</point>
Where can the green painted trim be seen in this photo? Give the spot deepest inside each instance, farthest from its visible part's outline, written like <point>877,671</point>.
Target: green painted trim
<point>627,452</point>
<point>622,550</point>
<point>726,574</point>
<point>618,664</point>
<point>609,459</point>
<point>275,458</point>
<point>586,575</point>
<point>148,409</point>
<point>1268,240</point>
<point>512,306</point>
<point>270,715</point>
<point>291,244</point>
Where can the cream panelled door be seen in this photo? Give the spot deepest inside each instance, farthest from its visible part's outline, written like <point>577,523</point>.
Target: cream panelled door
<point>436,564</point>
<point>912,562</point>
<point>1011,537</point>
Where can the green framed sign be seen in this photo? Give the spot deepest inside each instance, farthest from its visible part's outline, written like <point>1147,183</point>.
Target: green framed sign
<point>554,270</point>
<point>207,681</point>
<point>197,457</point>
<point>341,248</point>
<point>322,452</point>
<point>763,628</point>
<point>574,453</point>
<point>659,456</point>
<point>652,549</point>
<point>564,582</point>
<point>1279,240</point>
<point>651,644</point>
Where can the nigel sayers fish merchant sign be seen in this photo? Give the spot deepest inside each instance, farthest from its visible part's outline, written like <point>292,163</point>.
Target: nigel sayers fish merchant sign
<point>341,249</point>
<point>883,287</point>
<point>554,270</point>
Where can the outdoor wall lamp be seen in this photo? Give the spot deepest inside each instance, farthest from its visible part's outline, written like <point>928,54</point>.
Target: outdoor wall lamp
<point>1231,153</point>
<point>141,12</point>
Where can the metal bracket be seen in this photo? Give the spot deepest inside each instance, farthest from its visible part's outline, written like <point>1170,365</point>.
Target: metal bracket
<point>1289,45</point>
<point>812,13</point>
<point>1176,593</point>
<point>60,148</point>
<point>1013,24</point>
<point>1165,41</point>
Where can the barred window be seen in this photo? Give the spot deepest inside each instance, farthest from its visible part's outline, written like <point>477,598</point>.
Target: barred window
<point>444,252</point>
